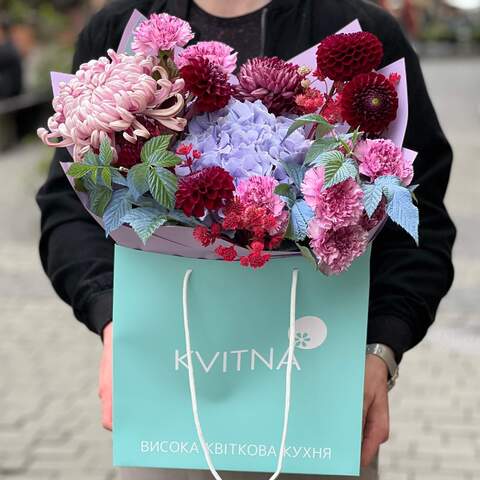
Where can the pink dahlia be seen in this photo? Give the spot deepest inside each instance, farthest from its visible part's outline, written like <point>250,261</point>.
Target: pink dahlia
<point>109,96</point>
<point>334,207</point>
<point>337,249</point>
<point>260,192</point>
<point>383,157</point>
<point>161,32</point>
<point>273,81</point>
<point>218,53</point>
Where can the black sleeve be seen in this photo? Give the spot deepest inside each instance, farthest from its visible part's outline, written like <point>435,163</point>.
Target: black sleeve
<point>74,251</point>
<point>408,282</point>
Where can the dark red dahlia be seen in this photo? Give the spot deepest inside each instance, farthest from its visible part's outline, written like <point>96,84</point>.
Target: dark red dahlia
<point>344,55</point>
<point>273,81</point>
<point>129,153</point>
<point>208,189</point>
<point>369,102</point>
<point>208,83</point>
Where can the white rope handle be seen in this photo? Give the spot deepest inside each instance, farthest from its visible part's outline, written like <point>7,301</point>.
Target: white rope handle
<point>288,376</point>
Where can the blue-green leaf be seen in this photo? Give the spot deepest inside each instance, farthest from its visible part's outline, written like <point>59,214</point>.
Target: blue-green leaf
<point>372,195</point>
<point>99,200</point>
<point>137,180</point>
<point>403,212</point>
<point>106,154</point>
<point>287,193</point>
<point>306,119</point>
<point>119,206</point>
<point>300,216</point>
<point>107,177</point>
<point>388,184</point>
<point>155,144</point>
<point>329,156</point>
<point>90,158</point>
<point>144,221</point>
<point>164,159</point>
<point>295,172</point>
<point>348,169</point>
<point>118,178</point>
<point>163,186</point>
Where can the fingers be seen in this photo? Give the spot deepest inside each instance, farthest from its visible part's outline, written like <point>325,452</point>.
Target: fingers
<point>105,380</point>
<point>376,424</point>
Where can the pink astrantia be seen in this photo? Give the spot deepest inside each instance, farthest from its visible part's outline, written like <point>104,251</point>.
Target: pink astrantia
<point>337,249</point>
<point>260,192</point>
<point>161,32</point>
<point>383,157</point>
<point>218,53</point>
<point>334,207</point>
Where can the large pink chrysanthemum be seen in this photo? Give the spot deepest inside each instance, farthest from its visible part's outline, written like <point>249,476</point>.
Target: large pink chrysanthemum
<point>260,192</point>
<point>217,53</point>
<point>334,207</point>
<point>107,97</point>
<point>161,32</point>
<point>382,157</point>
<point>337,249</point>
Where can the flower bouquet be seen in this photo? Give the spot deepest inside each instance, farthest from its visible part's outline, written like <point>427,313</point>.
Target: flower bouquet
<point>281,159</point>
<point>186,160</point>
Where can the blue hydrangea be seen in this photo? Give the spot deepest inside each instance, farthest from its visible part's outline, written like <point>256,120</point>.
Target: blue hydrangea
<point>246,140</point>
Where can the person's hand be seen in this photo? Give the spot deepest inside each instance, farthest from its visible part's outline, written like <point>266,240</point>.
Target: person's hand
<point>105,378</point>
<point>376,421</point>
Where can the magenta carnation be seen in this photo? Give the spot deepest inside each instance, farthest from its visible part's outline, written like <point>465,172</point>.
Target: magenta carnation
<point>334,207</point>
<point>337,249</point>
<point>217,53</point>
<point>382,157</point>
<point>260,192</point>
<point>161,32</point>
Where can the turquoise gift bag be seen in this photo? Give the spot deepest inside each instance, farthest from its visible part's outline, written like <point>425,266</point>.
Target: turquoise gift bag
<point>260,396</point>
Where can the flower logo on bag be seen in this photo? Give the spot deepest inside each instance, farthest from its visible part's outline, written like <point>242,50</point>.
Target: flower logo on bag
<point>310,332</point>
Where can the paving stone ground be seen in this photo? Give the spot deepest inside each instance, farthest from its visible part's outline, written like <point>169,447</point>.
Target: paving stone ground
<point>49,413</point>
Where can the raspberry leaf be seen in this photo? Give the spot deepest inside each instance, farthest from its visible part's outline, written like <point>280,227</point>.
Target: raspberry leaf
<point>163,185</point>
<point>145,221</point>
<point>300,216</point>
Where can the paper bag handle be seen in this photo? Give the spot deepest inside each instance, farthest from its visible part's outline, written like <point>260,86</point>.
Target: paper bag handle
<point>288,376</point>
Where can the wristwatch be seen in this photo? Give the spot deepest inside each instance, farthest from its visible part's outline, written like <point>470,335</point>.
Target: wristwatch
<point>386,354</point>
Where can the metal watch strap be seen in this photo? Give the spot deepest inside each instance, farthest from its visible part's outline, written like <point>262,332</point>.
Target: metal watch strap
<point>386,354</point>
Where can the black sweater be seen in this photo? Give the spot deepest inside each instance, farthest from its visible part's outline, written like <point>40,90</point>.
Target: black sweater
<point>407,283</point>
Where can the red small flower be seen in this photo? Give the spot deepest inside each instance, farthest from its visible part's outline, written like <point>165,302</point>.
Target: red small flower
<point>394,79</point>
<point>310,101</point>
<point>208,189</point>
<point>229,254</point>
<point>208,83</point>
<point>255,259</point>
<point>369,102</point>
<point>344,55</point>
<point>206,236</point>
<point>184,149</point>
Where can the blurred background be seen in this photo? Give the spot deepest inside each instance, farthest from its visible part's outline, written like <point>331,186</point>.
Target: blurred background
<point>49,412</point>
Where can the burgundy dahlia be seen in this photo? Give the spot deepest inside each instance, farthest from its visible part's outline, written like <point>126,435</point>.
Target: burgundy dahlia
<point>208,189</point>
<point>344,55</point>
<point>128,153</point>
<point>208,83</point>
<point>273,81</point>
<point>369,102</point>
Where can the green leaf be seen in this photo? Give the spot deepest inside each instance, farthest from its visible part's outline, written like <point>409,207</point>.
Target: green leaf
<point>107,177</point>
<point>295,172</point>
<point>329,156</point>
<point>403,212</point>
<point>79,170</point>
<point>106,154</point>
<point>137,180</point>
<point>118,178</point>
<point>99,200</point>
<point>155,144</point>
<point>119,206</point>
<point>164,159</point>
<point>308,254</point>
<point>300,216</point>
<point>338,170</point>
<point>283,189</point>
<point>144,221</point>
<point>287,193</point>
<point>372,195</point>
<point>320,146</point>
<point>179,217</point>
<point>305,120</point>
<point>90,158</point>
<point>322,130</point>
<point>163,186</point>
